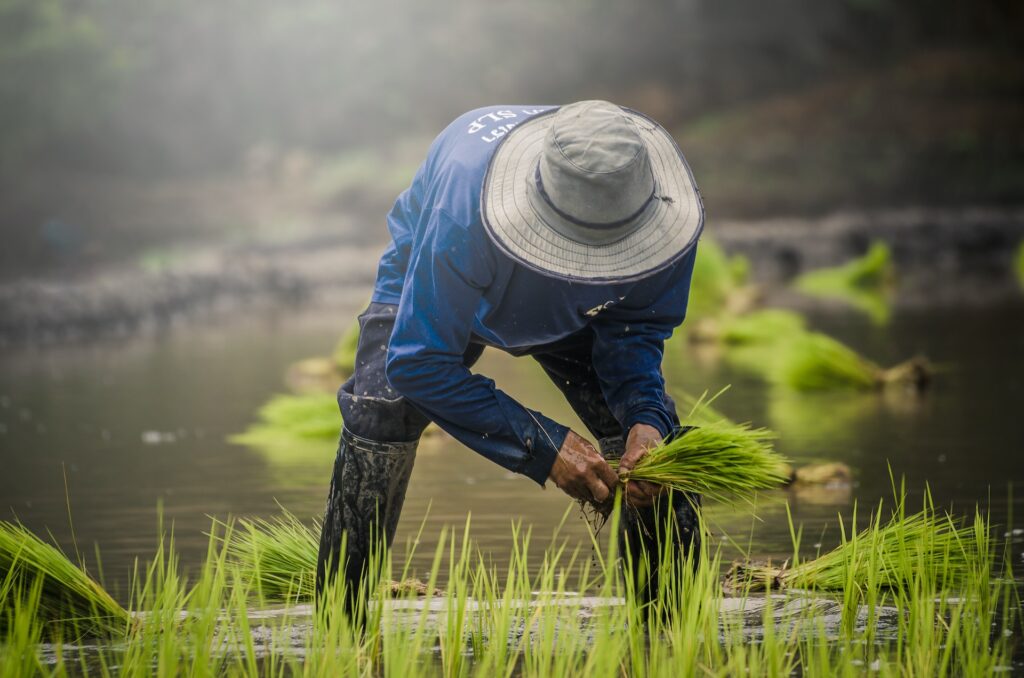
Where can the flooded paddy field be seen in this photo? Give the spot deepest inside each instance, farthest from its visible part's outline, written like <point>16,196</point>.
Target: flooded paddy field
<point>130,430</point>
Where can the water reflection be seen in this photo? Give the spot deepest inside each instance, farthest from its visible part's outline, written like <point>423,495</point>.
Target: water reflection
<point>88,410</point>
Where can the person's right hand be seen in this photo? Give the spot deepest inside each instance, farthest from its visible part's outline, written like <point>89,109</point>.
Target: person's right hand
<point>582,473</point>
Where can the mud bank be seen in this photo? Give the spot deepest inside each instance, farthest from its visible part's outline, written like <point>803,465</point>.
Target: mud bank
<point>943,256</point>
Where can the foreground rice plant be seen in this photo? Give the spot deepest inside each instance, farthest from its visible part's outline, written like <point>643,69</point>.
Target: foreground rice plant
<point>65,599</point>
<point>907,548</point>
<point>558,611</point>
<point>277,556</point>
<point>720,460</point>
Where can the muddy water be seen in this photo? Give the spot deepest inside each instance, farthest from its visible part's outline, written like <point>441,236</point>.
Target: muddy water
<point>139,427</point>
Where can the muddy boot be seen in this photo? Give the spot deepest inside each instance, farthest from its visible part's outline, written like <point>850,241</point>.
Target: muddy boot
<point>363,506</point>
<point>673,516</point>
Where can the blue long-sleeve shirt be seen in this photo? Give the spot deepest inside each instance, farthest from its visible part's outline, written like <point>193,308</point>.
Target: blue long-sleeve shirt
<point>453,286</point>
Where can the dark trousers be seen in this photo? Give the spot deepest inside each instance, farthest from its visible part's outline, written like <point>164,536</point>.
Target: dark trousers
<point>378,446</point>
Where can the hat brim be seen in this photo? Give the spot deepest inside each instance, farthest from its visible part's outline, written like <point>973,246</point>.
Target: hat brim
<point>667,231</point>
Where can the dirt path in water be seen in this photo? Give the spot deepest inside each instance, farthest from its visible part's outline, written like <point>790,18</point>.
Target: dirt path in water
<point>942,256</point>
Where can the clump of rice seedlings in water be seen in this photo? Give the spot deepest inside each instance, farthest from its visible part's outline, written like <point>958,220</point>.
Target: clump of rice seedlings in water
<point>862,283</point>
<point>720,460</point>
<point>874,270</point>
<point>278,556</point>
<point>928,545</point>
<point>817,362</point>
<point>309,416</point>
<point>344,355</point>
<point>69,602</point>
<point>1019,264</point>
<point>766,326</point>
<point>719,282</point>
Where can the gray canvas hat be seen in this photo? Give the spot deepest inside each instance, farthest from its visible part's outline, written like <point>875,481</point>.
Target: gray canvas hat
<point>591,192</point>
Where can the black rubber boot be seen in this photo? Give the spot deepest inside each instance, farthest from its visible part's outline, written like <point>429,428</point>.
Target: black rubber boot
<point>363,506</point>
<point>644,531</point>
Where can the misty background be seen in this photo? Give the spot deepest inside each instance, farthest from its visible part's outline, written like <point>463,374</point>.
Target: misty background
<point>133,128</point>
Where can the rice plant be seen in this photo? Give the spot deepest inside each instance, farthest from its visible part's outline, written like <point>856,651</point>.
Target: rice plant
<point>862,282</point>
<point>817,362</point>
<point>551,612</point>
<point>719,282</point>
<point>1019,264</point>
<point>871,271</point>
<point>67,600</point>
<point>928,546</point>
<point>344,355</point>
<point>763,327</point>
<point>277,555</point>
<point>718,459</point>
<point>310,416</point>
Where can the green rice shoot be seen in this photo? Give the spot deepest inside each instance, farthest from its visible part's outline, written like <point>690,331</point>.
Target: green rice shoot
<point>872,271</point>
<point>817,362</point>
<point>344,354</point>
<point>1019,264</point>
<point>716,277</point>
<point>928,544</point>
<point>277,556</point>
<point>719,459</point>
<point>766,326</point>
<point>312,416</point>
<point>861,283</point>
<point>70,603</point>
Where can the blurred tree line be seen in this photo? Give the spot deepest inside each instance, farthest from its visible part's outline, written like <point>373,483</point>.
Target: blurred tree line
<point>158,87</point>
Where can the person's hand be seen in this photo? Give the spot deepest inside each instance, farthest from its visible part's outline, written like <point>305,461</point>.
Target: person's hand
<point>582,473</point>
<point>641,438</point>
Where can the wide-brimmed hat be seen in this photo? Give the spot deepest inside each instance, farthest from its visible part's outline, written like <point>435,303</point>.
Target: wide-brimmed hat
<point>591,192</point>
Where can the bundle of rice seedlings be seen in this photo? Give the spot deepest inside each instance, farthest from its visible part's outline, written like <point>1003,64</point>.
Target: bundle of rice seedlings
<point>816,362</point>
<point>766,326</point>
<point>861,283</point>
<point>718,459</point>
<point>277,556</point>
<point>883,556</point>
<point>344,354</point>
<point>718,281</point>
<point>309,416</point>
<point>874,270</point>
<point>70,603</point>
<point>1019,264</point>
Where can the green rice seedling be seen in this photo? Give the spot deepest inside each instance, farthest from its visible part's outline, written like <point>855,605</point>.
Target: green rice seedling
<point>68,601</point>
<point>1019,264</point>
<point>720,460</point>
<point>344,354</point>
<point>874,270</point>
<point>719,282</point>
<point>277,556</point>
<point>767,326</point>
<point>312,416</point>
<point>817,362</point>
<point>862,283</point>
<point>894,554</point>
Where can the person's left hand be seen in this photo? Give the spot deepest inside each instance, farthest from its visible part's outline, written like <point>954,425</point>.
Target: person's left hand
<point>641,438</point>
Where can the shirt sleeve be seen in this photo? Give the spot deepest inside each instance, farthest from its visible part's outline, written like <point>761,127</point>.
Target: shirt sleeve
<point>448,273</point>
<point>629,341</point>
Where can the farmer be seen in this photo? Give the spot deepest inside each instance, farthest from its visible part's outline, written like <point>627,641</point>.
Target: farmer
<point>564,234</point>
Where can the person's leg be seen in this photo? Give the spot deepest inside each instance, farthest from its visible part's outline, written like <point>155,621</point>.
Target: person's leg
<point>570,366</point>
<point>376,452</point>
